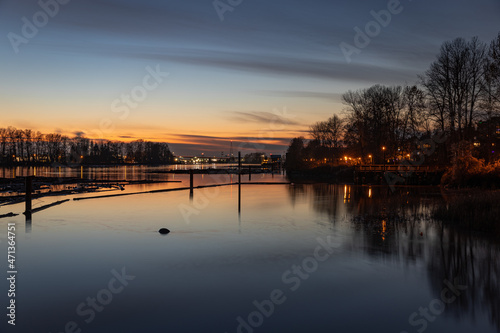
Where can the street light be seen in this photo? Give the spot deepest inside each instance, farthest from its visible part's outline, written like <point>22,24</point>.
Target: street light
<point>371,160</point>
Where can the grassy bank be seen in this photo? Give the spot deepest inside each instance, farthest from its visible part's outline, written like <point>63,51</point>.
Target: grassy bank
<point>474,210</point>
<point>469,171</point>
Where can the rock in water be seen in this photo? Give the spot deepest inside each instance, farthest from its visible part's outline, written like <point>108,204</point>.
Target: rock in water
<point>163,231</point>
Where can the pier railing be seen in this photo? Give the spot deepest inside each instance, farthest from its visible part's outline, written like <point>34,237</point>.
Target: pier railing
<point>398,168</point>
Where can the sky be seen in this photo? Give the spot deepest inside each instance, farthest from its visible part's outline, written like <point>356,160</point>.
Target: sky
<point>200,73</point>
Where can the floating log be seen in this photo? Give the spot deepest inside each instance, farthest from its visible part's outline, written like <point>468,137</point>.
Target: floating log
<point>266,183</point>
<point>48,206</point>
<point>8,215</point>
<point>180,189</point>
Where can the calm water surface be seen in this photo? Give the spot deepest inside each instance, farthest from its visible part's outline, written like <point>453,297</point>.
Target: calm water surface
<point>333,258</point>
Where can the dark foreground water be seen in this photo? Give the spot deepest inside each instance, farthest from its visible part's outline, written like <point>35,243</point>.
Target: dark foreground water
<point>302,258</point>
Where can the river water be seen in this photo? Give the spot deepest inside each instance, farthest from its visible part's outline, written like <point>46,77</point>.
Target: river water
<point>293,258</point>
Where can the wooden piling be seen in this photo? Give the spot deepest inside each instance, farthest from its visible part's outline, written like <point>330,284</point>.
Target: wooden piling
<point>29,190</point>
<point>191,182</point>
<point>239,167</point>
<point>239,182</point>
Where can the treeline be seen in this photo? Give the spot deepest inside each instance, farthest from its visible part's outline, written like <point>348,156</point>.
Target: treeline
<point>27,147</point>
<point>457,97</point>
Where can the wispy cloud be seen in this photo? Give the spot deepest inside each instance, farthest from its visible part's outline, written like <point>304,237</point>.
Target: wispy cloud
<point>262,117</point>
<point>79,134</point>
<point>215,145</point>
<point>335,97</point>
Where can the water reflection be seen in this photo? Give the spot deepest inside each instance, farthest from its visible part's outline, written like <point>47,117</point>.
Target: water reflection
<point>397,226</point>
<point>28,218</point>
<point>119,172</point>
<point>473,261</point>
<point>391,259</point>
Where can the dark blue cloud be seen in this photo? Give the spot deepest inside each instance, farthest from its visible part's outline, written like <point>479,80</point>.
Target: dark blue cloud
<point>296,37</point>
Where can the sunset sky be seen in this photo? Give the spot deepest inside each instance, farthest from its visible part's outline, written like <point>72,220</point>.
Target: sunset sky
<point>259,77</point>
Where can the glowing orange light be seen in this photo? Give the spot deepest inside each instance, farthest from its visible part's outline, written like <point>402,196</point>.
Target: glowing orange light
<point>384,227</point>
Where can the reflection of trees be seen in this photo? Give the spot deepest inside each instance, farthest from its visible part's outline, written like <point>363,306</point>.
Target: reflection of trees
<point>397,226</point>
<point>474,262</point>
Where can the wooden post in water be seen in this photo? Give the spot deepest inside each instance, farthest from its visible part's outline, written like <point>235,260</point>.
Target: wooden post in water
<point>191,182</point>
<point>249,173</point>
<point>239,167</point>
<point>239,182</point>
<point>29,189</point>
<point>27,213</point>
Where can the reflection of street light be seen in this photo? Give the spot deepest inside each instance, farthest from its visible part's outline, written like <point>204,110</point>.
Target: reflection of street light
<point>383,148</point>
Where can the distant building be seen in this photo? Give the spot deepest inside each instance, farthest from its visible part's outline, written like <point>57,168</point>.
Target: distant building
<point>487,139</point>
<point>274,162</point>
<point>275,158</point>
<point>201,159</point>
<point>490,128</point>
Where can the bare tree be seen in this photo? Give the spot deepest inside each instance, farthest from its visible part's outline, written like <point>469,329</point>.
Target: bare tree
<point>4,137</point>
<point>375,116</point>
<point>329,133</point>
<point>492,78</point>
<point>28,137</point>
<point>415,110</point>
<point>454,84</point>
